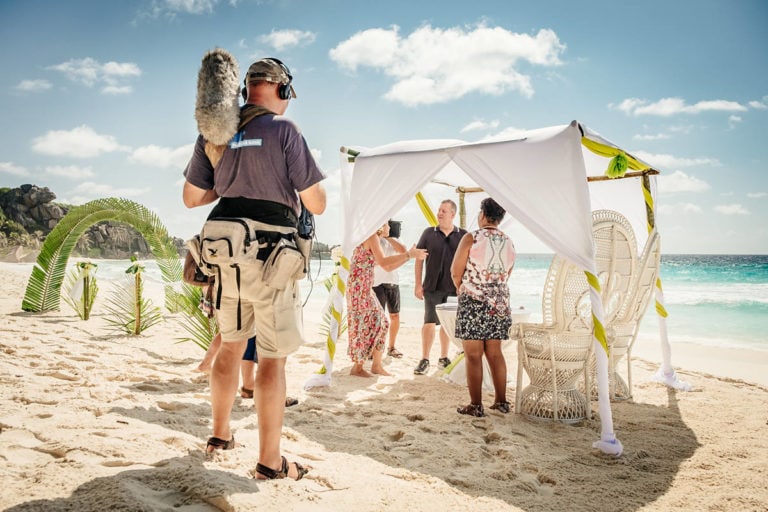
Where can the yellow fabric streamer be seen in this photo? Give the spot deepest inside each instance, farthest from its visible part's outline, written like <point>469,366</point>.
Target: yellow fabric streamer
<point>610,152</point>
<point>426,210</point>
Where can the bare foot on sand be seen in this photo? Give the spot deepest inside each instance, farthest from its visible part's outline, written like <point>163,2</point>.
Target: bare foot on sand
<point>379,370</point>
<point>358,371</point>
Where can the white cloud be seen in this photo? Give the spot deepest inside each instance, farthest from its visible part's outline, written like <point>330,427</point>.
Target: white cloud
<point>759,104</point>
<point>756,195</point>
<point>98,190</point>
<point>509,133</point>
<point>663,161</point>
<point>317,154</point>
<point>70,171</point>
<point>280,40</point>
<point>672,106</point>
<point>731,209</point>
<point>11,168</point>
<point>89,72</point>
<point>679,209</point>
<point>33,85</point>
<point>678,181</point>
<point>434,65</point>
<point>80,142</point>
<point>188,6</point>
<point>650,136</point>
<point>733,120</point>
<point>480,124</point>
<point>159,156</point>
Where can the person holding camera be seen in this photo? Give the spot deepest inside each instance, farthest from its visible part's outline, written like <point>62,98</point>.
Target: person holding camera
<point>265,171</point>
<point>386,285</point>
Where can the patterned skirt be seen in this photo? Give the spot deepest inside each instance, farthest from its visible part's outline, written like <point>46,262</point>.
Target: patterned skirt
<point>476,320</point>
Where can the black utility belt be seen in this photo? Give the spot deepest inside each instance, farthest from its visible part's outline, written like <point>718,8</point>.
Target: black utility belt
<point>387,285</point>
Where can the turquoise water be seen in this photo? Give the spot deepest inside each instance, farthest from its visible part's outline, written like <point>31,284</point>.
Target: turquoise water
<point>711,299</point>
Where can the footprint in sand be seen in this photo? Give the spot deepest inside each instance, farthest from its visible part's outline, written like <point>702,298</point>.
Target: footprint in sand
<point>171,406</point>
<point>58,375</point>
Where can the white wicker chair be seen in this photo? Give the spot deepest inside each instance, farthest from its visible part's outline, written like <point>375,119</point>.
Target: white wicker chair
<point>622,332</point>
<point>556,352</point>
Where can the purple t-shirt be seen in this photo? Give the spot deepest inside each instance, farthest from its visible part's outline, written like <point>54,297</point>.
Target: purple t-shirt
<point>268,160</point>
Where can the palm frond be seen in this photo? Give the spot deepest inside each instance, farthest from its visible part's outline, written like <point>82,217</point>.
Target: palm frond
<point>129,311</point>
<point>200,328</point>
<point>83,304</point>
<point>44,286</point>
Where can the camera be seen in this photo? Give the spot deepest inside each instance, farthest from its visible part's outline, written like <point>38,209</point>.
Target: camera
<point>394,228</point>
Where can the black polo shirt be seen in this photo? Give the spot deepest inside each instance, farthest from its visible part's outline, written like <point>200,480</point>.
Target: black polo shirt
<point>441,248</point>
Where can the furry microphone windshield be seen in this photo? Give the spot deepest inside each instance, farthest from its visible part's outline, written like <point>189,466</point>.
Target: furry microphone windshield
<point>217,111</point>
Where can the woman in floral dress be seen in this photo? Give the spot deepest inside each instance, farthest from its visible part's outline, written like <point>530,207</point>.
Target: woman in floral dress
<point>366,322</point>
<point>481,267</point>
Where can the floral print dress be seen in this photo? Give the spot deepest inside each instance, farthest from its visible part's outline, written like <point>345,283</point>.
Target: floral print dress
<point>366,323</point>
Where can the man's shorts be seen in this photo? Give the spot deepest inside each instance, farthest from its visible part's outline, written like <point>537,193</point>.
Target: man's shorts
<point>274,317</point>
<point>389,297</point>
<point>432,299</point>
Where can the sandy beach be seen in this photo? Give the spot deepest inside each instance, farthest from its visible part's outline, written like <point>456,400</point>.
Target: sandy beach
<point>94,420</point>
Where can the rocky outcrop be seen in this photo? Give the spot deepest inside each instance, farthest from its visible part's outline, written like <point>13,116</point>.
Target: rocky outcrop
<point>32,207</point>
<point>31,211</point>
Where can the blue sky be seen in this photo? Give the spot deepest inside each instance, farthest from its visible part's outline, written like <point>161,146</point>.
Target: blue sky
<point>97,98</point>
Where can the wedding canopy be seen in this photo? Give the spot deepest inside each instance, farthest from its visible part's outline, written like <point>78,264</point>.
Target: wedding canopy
<point>548,179</point>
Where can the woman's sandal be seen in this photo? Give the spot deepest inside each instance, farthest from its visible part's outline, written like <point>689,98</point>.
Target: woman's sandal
<point>475,410</point>
<point>270,474</point>
<point>393,352</point>
<point>216,443</point>
<point>246,393</point>
<point>503,407</point>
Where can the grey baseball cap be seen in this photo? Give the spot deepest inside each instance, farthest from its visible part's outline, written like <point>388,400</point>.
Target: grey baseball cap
<point>269,70</point>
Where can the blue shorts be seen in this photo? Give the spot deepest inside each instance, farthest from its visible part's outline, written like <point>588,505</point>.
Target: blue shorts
<point>250,351</point>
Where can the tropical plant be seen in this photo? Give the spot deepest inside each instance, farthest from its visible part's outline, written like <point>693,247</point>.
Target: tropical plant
<point>129,311</point>
<point>44,286</point>
<point>199,325</point>
<point>81,288</point>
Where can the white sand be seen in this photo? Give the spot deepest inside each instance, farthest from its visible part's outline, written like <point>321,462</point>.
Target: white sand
<point>93,420</point>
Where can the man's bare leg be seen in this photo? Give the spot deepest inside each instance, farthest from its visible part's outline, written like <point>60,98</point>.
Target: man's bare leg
<point>427,339</point>
<point>394,327</point>
<point>445,342</point>
<point>225,376</point>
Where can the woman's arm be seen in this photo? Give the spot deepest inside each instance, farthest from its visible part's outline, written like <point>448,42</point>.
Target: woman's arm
<point>460,258</point>
<point>390,263</point>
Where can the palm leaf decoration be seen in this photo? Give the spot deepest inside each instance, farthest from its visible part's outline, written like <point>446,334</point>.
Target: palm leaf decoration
<point>44,286</point>
<point>199,326</point>
<point>129,310</point>
<point>81,288</point>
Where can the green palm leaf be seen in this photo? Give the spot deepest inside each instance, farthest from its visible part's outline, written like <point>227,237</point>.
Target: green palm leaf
<point>200,328</point>
<point>44,286</point>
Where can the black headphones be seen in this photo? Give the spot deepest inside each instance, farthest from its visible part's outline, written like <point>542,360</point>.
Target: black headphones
<point>284,90</point>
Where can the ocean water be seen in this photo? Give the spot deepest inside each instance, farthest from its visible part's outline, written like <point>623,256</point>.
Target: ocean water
<point>711,299</point>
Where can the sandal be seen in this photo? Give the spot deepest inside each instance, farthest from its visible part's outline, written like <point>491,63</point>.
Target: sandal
<point>503,407</point>
<point>393,352</point>
<point>475,410</point>
<point>216,443</point>
<point>270,474</point>
<point>289,400</point>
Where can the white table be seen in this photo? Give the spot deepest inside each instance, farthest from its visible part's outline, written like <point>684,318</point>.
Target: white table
<point>458,373</point>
